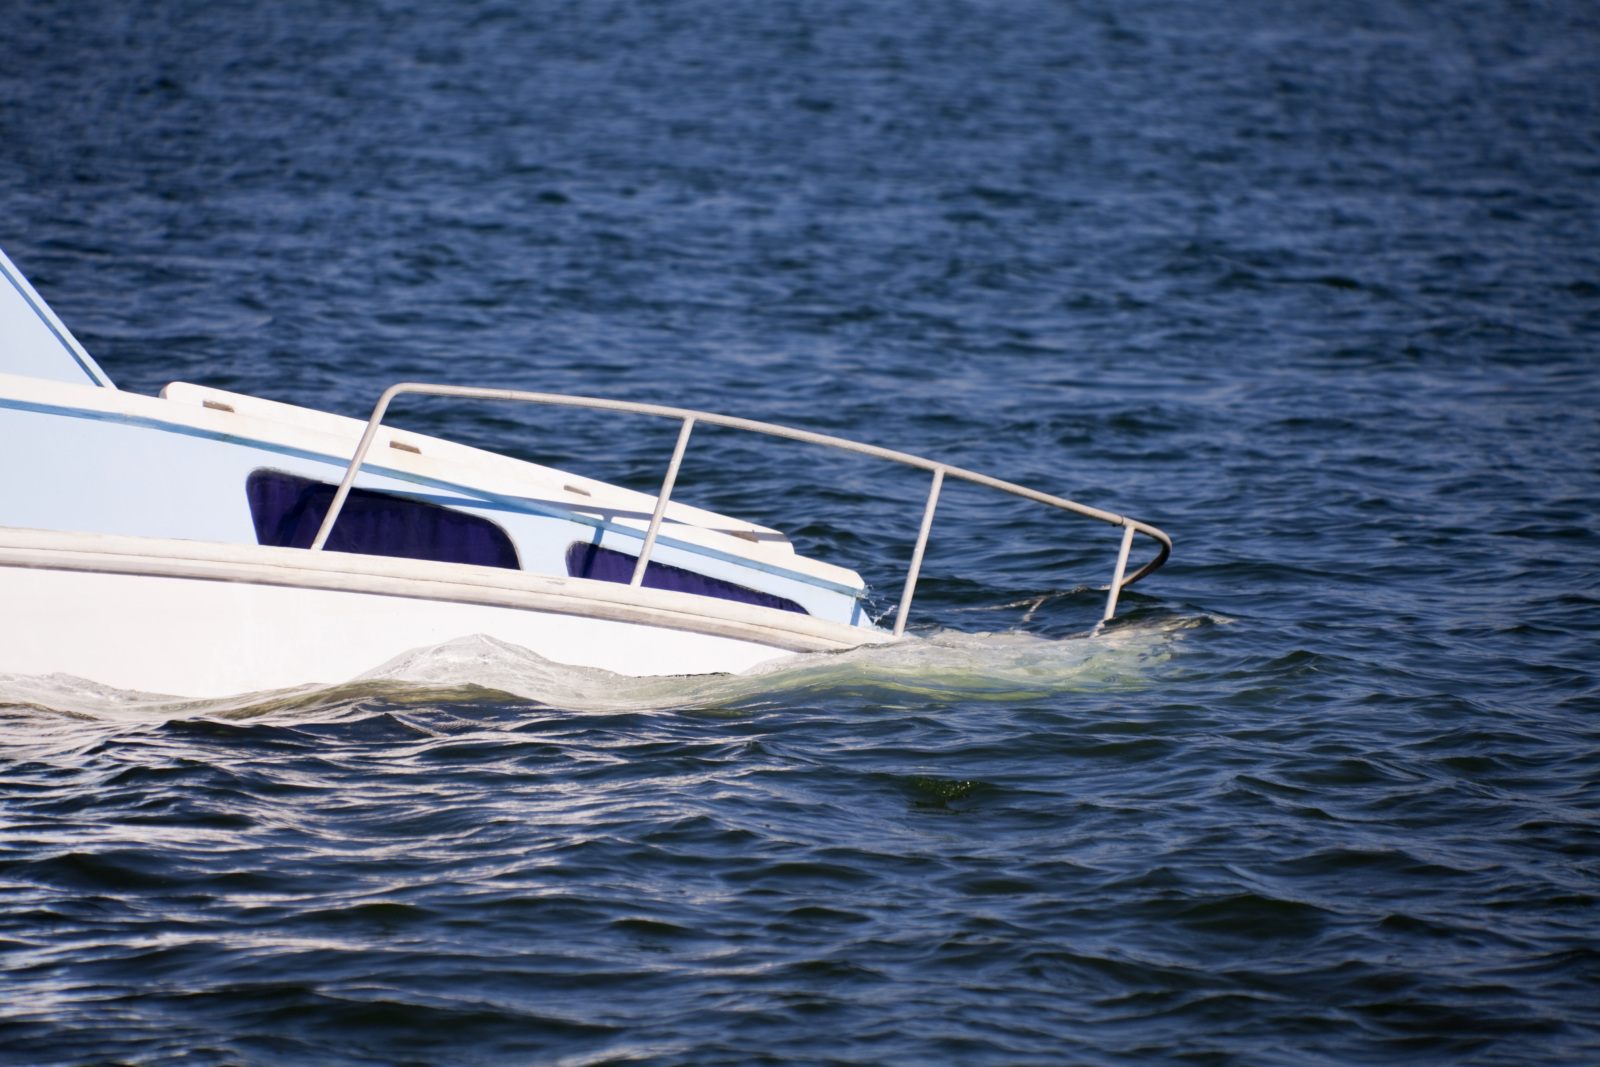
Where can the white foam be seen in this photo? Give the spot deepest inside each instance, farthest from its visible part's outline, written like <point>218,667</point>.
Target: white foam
<point>945,664</point>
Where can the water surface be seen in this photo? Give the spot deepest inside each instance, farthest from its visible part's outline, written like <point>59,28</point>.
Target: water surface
<point>1313,287</point>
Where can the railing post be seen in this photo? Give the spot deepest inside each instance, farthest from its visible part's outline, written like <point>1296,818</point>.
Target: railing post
<point>661,503</point>
<point>1122,565</point>
<point>916,555</point>
<point>349,479</point>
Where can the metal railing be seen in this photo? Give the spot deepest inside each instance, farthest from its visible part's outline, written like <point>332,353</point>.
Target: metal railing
<point>689,418</point>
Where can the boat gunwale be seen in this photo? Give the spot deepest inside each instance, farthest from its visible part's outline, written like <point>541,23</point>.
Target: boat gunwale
<point>176,558</point>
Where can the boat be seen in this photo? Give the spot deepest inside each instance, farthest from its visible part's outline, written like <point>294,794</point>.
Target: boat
<point>204,543</point>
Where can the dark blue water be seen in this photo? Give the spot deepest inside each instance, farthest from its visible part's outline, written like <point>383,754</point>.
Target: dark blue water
<point>1315,287</point>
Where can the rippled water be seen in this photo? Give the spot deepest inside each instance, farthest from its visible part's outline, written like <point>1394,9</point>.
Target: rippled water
<point>1313,287</point>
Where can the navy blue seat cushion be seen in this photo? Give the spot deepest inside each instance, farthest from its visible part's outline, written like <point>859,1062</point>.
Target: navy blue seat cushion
<point>287,511</point>
<point>606,565</point>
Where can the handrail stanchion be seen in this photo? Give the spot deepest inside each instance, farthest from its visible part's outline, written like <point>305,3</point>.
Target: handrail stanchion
<point>337,504</point>
<point>661,503</point>
<point>1122,565</point>
<point>916,555</point>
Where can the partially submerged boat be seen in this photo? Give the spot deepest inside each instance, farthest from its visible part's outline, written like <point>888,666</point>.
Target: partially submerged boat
<point>204,543</point>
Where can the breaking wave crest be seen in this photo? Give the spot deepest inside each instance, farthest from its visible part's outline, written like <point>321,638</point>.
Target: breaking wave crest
<point>943,664</point>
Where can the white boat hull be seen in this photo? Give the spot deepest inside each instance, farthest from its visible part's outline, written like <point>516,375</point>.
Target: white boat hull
<point>202,619</point>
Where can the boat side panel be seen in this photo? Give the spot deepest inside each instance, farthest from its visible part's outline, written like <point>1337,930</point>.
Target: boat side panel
<point>198,638</point>
<point>107,475</point>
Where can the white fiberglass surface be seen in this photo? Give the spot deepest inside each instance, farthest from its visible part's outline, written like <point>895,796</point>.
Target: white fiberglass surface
<point>100,476</point>
<point>32,341</point>
<point>198,638</point>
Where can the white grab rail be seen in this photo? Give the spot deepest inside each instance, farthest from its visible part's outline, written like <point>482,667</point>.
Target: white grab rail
<point>689,418</point>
